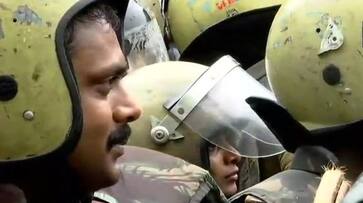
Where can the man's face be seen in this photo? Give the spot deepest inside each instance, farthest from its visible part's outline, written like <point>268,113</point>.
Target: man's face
<point>99,65</point>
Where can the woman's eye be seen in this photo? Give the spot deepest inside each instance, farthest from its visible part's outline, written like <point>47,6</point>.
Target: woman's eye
<point>212,148</point>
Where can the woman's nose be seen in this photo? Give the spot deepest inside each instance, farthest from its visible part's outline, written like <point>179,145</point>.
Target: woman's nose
<point>232,158</point>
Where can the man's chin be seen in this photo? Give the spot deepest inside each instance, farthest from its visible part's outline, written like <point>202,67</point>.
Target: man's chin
<point>116,152</point>
<point>103,182</point>
<point>110,177</point>
<point>114,169</point>
<point>114,178</point>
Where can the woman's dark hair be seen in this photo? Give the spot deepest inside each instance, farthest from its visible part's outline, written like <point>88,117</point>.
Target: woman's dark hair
<point>204,148</point>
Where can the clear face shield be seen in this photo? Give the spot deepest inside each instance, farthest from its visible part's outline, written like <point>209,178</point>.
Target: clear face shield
<point>143,38</point>
<point>148,176</point>
<point>214,107</point>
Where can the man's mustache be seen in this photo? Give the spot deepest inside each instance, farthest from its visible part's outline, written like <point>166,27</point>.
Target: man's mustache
<point>119,136</point>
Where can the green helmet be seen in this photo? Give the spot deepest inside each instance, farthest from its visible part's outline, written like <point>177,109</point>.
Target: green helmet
<point>205,30</point>
<point>184,102</point>
<point>313,56</point>
<point>41,113</point>
<point>149,84</point>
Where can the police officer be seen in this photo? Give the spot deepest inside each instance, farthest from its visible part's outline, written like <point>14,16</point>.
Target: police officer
<point>64,113</point>
<point>188,114</point>
<point>312,61</point>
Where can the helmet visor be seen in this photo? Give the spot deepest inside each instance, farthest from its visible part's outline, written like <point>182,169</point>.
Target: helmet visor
<point>223,117</point>
<point>145,45</point>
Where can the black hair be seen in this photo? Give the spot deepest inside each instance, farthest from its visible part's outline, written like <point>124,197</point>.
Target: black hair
<point>99,13</point>
<point>204,153</point>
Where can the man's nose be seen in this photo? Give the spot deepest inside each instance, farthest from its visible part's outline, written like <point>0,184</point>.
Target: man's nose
<point>127,111</point>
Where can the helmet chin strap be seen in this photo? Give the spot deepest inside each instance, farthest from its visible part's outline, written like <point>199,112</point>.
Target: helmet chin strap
<point>342,136</point>
<point>281,122</point>
<point>288,131</point>
<point>204,154</point>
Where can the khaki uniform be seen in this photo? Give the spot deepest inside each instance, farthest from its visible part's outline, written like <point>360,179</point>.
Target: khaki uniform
<point>253,171</point>
<point>297,184</point>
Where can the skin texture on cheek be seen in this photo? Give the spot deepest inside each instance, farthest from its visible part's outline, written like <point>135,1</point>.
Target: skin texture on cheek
<point>222,165</point>
<point>91,157</point>
<point>96,47</point>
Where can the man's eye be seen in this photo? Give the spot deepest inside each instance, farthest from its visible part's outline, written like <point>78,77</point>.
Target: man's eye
<point>104,89</point>
<point>114,79</point>
<point>117,78</point>
<point>107,86</point>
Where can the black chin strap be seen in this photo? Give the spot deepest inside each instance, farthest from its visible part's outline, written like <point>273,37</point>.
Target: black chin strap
<point>292,134</point>
<point>204,154</point>
<point>347,135</point>
<point>287,130</point>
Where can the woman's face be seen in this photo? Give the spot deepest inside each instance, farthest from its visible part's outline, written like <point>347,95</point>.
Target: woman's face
<point>224,169</point>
